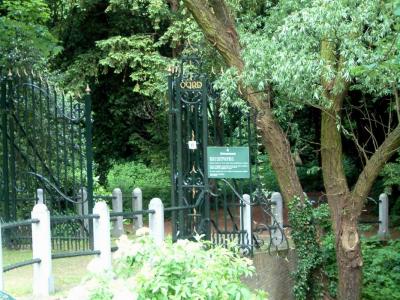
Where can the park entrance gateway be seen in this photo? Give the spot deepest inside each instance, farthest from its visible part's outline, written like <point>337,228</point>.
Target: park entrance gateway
<point>213,160</point>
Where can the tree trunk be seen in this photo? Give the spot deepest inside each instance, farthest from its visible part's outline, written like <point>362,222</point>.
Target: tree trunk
<point>344,216</point>
<point>278,148</point>
<point>344,213</point>
<point>349,259</point>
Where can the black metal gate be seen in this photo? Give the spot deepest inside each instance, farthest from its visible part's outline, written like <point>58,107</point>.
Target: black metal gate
<point>213,207</point>
<point>46,143</point>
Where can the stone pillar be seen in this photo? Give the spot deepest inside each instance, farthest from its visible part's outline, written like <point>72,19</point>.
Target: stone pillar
<point>117,206</point>
<point>101,235</point>
<point>383,231</point>
<point>43,283</point>
<point>156,220</point>
<point>277,235</point>
<point>137,204</point>
<point>245,217</point>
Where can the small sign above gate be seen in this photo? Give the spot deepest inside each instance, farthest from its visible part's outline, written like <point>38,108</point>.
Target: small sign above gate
<point>228,162</point>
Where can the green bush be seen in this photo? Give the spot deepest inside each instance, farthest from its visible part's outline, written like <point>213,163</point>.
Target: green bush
<point>144,270</point>
<point>154,182</point>
<point>381,270</point>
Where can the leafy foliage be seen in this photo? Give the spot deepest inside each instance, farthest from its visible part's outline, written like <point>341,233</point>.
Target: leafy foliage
<point>25,39</point>
<point>307,249</point>
<point>139,54</point>
<point>290,48</point>
<point>381,270</point>
<point>154,182</point>
<point>145,270</point>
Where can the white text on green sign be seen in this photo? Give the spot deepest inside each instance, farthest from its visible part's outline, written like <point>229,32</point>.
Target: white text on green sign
<point>228,162</point>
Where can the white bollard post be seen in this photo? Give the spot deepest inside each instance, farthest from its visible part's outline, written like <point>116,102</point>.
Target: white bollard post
<point>137,204</point>
<point>277,211</point>
<point>156,220</point>
<point>83,206</point>
<point>246,219</point>
<point>383,231</point>
<point>43,283</point>
<point>40,196</point>
<point>117,206</point>
<point>101,235</point>
<point>1,261</point>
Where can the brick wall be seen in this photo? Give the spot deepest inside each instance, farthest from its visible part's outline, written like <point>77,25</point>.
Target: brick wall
<point>273,274</point>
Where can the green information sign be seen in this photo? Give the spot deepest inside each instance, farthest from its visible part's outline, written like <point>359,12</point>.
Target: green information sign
<point>228,162</point>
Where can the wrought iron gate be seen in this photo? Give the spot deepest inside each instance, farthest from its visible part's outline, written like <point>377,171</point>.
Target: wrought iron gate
<point>46,143</point>
<point>208,206</point>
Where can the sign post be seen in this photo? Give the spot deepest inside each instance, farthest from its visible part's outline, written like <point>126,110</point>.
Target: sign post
<point>228,162</point>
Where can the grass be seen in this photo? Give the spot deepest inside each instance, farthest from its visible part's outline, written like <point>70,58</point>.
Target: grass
<point>68,272</point>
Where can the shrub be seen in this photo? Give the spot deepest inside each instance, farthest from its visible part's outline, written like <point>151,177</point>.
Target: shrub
<point>381,269</point>
<point>144,270</point>
<point>154,182</point>
<point>381,262</point>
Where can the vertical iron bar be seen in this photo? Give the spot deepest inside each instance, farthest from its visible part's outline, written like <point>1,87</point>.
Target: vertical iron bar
<point>49,139</point>
<point>225,212</point>
<point>182,230</point>
<point>58,166</point>
<point>72,147</point>
<point>64,146</point>
<point>6,194</point>
<point>13,198</point>
<point>172,141</point>
<point>81,183</point>
<point>204,96</point>
<point>40,136</point>
<point>89,160</point>
<point>33,123</point>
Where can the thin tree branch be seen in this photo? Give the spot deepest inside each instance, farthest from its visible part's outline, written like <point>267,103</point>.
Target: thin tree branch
<point>373,167</point>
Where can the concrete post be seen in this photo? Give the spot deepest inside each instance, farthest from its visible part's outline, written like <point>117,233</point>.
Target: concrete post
<point>40,196</point>
<point>83,206</point>
<point>43,283</point>
<point>1,261</point>
<point>137,204</point>
<point>277,211</point>
<point>156,220</point>
<point>383,231</point>
<point>101,235</point>
<point>245,217</point>
<point>117,206</point>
